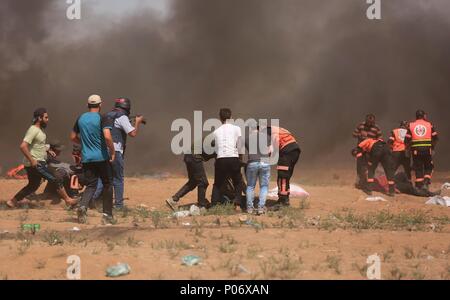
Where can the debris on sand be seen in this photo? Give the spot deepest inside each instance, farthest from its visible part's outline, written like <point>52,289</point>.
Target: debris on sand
<point>191,260</point>
<point>118,270</point>
<point>439,200</point>
<point>194,210</point>
<point>295,192</point>
<point>375,199</point>
<point>74,229</point>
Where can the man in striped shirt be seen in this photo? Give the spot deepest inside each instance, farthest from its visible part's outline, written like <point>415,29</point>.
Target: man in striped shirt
<point>366,129</point>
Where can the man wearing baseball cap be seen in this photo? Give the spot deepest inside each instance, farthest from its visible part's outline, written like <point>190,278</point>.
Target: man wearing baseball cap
<point>93,131</point>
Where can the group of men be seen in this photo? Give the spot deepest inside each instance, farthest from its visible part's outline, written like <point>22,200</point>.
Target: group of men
<point>228,142</point>
<point>416,140</point>
<point>102,139</point>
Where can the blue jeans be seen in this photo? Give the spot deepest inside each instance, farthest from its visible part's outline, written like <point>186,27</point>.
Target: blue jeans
<point>254,170</point>
<point>118,181</point>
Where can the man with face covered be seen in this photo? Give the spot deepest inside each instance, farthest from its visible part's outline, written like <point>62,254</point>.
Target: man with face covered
<point>34,149</point>
<point>366,129</point>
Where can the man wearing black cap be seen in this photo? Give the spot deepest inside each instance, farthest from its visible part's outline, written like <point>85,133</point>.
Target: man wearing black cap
<point>121,129</point>
<point>34,149</point>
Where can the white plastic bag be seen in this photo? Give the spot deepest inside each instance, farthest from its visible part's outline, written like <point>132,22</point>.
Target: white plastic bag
<point>295,192</point>
<point>439,200</point>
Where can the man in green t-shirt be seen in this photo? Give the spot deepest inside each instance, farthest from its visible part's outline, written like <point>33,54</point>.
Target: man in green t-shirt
<point>34,149</point>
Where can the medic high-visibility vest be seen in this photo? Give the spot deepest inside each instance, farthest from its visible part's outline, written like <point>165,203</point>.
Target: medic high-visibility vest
<point>421,133</point>
<point>284,136</point>
<point>367,144</point>
<point>398,140</point>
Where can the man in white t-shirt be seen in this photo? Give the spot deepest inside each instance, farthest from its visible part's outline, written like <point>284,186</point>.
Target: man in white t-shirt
<point>228,141</point>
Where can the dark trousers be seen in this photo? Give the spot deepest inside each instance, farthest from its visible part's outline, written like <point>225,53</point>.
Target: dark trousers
<point>401,158</point>
<point>381,153</point>
<point>285,170</point>
<point>91,173</point>
<point>224,168</point>
<point>361,171</point>
<point>422,165</point>
<point>197,179</point>
<point>35,174</point>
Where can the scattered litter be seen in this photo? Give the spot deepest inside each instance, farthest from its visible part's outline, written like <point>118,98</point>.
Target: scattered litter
<point>182,214</point>
<point>4,231</point>
<point>439,200</point>
<point>118,270</point>
<point>142,205</point>
<point>295,192</point>
<point>314,221</point>
<point>74,229</point>
<point>191,260</point>
<point>376,198</point>
<point>186,224</point>
<point>446,186</point>
<point>194,210</point>
<point>242,269</point>
<point>253,224</point>
<point>429,257</point>
<point>243,218</point>
<point>31,227</point>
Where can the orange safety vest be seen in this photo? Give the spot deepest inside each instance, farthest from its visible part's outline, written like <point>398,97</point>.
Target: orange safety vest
<point>367,144</point>
<point>398,139</point>
<point>421,133</point>
<point>283,135</point>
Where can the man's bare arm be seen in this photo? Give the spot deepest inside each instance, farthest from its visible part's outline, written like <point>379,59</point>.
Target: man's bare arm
<point>109,143</point>
<point>26,152</point>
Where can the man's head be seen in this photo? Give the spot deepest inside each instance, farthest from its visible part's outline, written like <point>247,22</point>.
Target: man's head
<point>404,124</point>
<point>225,114</point>
<point>94,102</point>
<point>370,119</point>
<point>124,104</point>
<point>420,114</point>
<point>56,146</point>
<point>40,117</point>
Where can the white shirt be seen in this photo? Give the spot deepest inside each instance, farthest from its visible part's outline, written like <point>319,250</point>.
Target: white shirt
<point>226,138</point>
<point>124,124</point>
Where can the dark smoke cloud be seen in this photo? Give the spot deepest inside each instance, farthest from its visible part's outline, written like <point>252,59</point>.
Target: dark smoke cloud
<point>319,66</point>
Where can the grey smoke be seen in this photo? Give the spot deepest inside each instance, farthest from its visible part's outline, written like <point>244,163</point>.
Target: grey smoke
<point>319,66</point>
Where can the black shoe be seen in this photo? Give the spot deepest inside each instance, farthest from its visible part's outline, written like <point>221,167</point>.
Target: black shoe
<point>108,220</point>
<point>204,204</point>
<point>172,203</point>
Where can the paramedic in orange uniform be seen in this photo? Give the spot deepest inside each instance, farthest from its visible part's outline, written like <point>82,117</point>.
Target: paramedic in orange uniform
<point>400,154</point>
<point>379,152</point>
<point>289,152</point>
<point>421,139</point>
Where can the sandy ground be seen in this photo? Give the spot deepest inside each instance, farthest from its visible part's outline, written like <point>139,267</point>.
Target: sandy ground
<point>329,236</point>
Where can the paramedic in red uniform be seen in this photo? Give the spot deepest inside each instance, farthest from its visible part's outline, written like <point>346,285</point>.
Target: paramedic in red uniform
<point>421,139</point>
<point>400,154</point>
<point>289,152</point>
